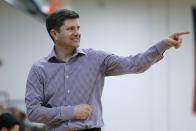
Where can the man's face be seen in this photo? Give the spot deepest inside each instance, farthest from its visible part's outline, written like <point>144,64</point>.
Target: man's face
<point>14,128</point>
<point>69,34</point>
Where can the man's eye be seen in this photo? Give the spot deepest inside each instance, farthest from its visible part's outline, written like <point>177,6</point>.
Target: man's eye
<point>70,29</point>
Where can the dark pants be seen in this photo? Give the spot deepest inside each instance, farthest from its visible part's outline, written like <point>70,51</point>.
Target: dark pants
<point>94,129</point>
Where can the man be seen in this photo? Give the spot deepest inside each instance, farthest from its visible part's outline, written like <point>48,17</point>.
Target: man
<point>64,89</point>
<point>8,122</point>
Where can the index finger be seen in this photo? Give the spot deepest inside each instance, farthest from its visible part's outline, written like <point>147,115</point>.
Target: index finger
<point>181,33</point>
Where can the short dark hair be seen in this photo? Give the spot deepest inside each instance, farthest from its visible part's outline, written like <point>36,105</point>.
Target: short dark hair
<point>56,19</point>
<point>8,121</point>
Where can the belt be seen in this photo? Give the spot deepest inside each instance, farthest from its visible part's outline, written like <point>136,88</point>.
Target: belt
<point>93,129</point>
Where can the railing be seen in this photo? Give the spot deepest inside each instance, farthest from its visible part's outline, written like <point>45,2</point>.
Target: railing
<point>4,98</point>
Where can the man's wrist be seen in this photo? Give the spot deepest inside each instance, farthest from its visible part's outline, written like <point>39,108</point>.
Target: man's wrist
<point>67,112</point>
<point>162,46</point>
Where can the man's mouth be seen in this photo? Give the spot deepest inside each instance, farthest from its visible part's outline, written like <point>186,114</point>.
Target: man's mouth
<point>76,40</point>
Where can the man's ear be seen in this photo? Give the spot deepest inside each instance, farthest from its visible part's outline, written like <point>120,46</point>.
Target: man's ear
<point>54,34</point>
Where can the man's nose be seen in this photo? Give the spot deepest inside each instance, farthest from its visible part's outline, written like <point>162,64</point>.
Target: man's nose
<point>77,32</point>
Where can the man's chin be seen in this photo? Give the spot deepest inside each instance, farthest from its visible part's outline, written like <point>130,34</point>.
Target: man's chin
<point>76,45</point>
<point>72,45</point>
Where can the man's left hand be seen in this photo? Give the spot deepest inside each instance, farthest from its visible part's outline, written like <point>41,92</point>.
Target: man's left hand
<point>174,40</point>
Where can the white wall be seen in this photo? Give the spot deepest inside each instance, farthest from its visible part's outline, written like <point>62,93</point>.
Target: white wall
<point>181,70</point>
<point>157,100</point>
<point>23,41</point>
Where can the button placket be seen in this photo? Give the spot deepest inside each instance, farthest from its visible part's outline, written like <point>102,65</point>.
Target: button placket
<point>67,81</point>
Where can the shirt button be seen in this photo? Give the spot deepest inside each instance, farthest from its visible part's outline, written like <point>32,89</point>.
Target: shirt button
<point>67,76</point>
<point>68,91</point>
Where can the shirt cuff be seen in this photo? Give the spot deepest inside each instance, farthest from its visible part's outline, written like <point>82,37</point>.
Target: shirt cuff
<point>67,112</point>
<point>162,46</point>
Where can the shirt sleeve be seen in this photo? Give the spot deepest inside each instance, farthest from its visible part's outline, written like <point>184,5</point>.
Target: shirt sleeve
<point>117,65</point>
<point>34,99</point>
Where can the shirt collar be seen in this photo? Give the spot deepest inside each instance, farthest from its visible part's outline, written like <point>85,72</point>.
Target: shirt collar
<point>52,55</point>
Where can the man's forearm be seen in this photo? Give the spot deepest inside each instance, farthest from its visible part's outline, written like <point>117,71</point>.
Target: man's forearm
<point>41,114</point>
